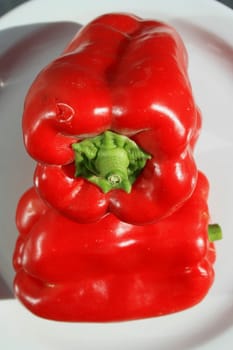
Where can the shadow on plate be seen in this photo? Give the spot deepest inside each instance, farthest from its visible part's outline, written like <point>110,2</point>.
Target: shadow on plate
<point>24,51</point>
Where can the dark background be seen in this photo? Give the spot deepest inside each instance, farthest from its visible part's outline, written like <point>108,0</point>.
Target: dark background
<point>7,5</point>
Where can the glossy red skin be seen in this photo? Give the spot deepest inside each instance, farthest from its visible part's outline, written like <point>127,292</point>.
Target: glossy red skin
<point>128,75</point>
<point>110,270</point>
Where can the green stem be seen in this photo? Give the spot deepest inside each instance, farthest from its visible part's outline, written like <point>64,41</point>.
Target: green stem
<point>109,160</point>
<point>214,232</point>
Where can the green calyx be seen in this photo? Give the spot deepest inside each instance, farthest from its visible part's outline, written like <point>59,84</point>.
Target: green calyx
<point>109,160</point>
<point>214,232</point>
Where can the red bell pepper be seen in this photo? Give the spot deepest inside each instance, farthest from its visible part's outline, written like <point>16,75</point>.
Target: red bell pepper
<point>111,270</point>
<point>123,79</point>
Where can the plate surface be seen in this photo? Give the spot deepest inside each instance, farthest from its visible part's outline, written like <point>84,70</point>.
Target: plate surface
<point>31,36</point>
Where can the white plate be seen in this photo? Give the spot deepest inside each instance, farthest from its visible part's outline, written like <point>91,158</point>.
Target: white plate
<point>206,27</point>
